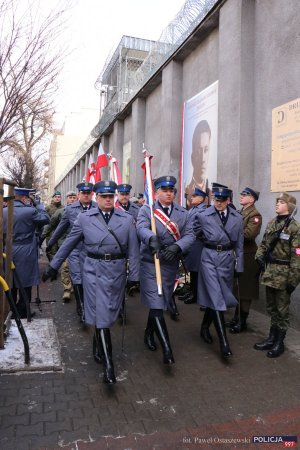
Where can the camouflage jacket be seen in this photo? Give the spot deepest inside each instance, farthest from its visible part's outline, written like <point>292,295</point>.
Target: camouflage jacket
<point>54,221</point>
<point>53,207</point>
<point>286,251</point>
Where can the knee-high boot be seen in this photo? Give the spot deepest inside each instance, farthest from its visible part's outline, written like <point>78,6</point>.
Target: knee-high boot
<point>98,352</point>
<point>204,330</point>
<point>109,374</point>
<point>221,331</point>
<point>163,336</point>
<point>78,292</point>
<point>241,325</point>
<point>234,320</point>
<point>149,334</point>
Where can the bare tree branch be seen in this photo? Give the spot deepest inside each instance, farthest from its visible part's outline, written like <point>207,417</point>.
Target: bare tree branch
<point>30,64</point>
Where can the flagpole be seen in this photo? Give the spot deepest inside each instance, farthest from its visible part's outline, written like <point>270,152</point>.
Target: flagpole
<point>153,225</point>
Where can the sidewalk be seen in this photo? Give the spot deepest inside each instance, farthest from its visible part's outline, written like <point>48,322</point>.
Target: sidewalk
<point>198,403</point>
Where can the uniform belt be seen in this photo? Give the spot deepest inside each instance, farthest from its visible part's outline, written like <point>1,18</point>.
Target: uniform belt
<point>218,247</point>
<point>280,262</point>
<point>105,256</point>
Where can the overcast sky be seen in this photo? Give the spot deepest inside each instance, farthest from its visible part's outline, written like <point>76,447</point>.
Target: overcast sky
<point>97,26</point>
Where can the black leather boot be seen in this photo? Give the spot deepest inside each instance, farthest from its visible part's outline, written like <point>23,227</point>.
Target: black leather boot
<point>234,320</point>
<point>268,343</point>
<point>174,313</point>
<point>241,325</point>
<point>149,335</point>
<point>163,336</point>
<point>204,330</point>
<point>97,347</point>
<point>109,374</point>
<point>78,292</point>
<point>278,347</point>
<point>185,296</point>
<point>189,300</point>
<point>218,318</point>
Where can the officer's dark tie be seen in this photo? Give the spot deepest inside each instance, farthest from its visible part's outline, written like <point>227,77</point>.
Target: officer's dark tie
<point>166,210</point>
<point>223,217</point>
<point>106,217</point>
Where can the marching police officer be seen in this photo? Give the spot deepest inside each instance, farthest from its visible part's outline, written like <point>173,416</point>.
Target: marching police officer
<point>109,237</point>
<point>174,237</point>
<point>124,202</point>
<point>27,219</point>
<point>76,258</point>
<point>220,228</point>
<point>279,258</point>
<point>248,281</point>
<point>192,260</point>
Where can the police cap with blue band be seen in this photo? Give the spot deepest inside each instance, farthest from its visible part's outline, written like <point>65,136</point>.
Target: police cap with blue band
<point>23,191</point>
<point>198,191</point>
<point>124,188</point>
<point>221,192</point>
<point>165,182</point>
<point>217,185</point>
<point>251,191</point>
<point>105,187</point>
<point>85,187</point>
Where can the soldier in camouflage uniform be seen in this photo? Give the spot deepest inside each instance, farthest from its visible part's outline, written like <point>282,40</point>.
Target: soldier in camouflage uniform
<point>281,275</point>
<point>246,288</point>
<point>46,234</point>
<point>48,231</point>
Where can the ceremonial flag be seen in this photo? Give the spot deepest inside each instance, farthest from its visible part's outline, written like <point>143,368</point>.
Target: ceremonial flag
<point>101,162</point>
<point>149,196</point>
<point>115,174</point>
<point>148,183</point>
<point>91,171</point>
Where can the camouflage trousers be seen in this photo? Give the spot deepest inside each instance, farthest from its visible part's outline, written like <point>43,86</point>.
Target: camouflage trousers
<point>278,302</point>
<point>65,277</point>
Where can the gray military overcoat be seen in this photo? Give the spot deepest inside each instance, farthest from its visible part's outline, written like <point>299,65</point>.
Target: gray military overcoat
<point>133,209</point>
<point>76,258</point>
<point>192,259</point>
<point>25,246</point>
<point>103,281</point>
<point>216,269</point>
<point>149,293</point>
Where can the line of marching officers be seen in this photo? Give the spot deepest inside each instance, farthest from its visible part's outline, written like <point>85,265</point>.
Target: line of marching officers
<point>114,246</point>
<point>108,237</point>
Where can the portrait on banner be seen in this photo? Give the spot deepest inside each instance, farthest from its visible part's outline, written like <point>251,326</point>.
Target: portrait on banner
<point>199,142</point>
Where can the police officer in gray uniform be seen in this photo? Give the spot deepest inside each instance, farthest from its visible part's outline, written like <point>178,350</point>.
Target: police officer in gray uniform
<point>124,202</point>
<point>27,219</point>
<point>192,260</point>
<point>169,251</point>
<point>221,230</point>
<point>76,258</point>
<point>109,237</point>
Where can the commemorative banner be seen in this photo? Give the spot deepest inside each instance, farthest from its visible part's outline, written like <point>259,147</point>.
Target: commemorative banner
<point>199,142</point>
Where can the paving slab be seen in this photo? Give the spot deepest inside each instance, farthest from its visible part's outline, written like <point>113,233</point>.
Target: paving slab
<point>198,403</point>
